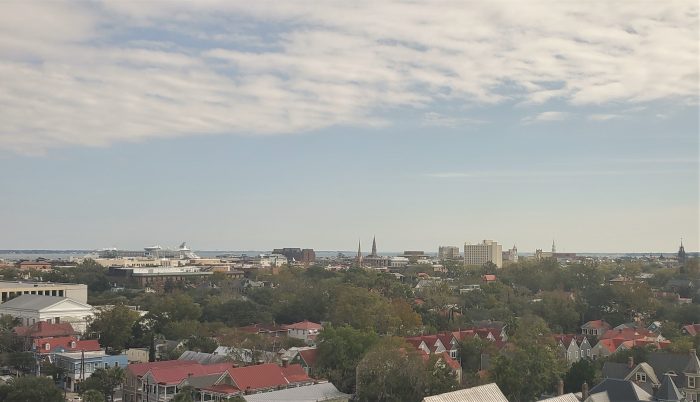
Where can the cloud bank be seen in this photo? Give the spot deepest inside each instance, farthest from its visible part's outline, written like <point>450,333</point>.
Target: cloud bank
<point>92,74</point>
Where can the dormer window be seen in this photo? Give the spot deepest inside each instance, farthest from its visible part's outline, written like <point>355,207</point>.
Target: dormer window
<point>641,377</point>
<point>72,344</point>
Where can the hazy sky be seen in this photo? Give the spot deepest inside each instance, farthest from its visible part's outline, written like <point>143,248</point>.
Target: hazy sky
<point>253,125</point>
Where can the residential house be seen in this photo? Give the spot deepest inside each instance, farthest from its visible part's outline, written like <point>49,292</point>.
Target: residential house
<point>137,355</point>
<point>160,381</point>
<point>443,345</point>
<point>32,308</point>
<point>691,329</point>
<point>595,328</point>
<point>79,366</point>
<point>61,344</point>
<point>304,356</point>
<point>573,348</point>
<point>304,330</point>
<point>616,390</point>
<point>684,370</point>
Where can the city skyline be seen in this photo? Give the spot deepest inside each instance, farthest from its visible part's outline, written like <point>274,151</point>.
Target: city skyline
<point>254,126</point>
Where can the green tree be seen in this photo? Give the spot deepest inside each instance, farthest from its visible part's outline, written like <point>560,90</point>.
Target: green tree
<point>579,372</point>
<point>104,381</point>
<point>185,394</point>
<point>114,327</point>
<point>339,351</point>
<point>30,389</point>
<point>532,366</point>
<point>394,371</point>
<point>93,395</point>
<point>201,344</point>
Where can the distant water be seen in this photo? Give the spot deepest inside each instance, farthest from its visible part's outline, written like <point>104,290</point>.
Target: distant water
<point>68,255</point>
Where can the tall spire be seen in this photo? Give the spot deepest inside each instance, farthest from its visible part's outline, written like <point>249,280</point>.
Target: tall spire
<point>681,253</point>
<point>359,252</point>
<point>554,247</point>
<point>374,246</point>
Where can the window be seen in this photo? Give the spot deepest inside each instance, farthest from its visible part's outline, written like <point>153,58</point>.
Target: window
<point>47,346</point>
<point>641,377</point>
<point>691,382</point>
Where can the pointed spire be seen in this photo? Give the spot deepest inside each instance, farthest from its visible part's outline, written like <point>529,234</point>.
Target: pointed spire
<point>554,247</point>
<point>359,252</point>
<point>374,246</point>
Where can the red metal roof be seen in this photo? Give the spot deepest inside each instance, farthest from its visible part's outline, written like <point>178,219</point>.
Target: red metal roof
<point>174,375</point>
<point>139,369</point>
<point>64,343</point>
<point>309,356</point>
<point>44,330</point>
<point>304,325</point>
<point>597,324</point>
<point>266,376</point>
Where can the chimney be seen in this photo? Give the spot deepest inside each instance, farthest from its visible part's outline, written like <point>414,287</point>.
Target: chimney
<point>630,362</point>
<point>560,387</point>
<point>285,362</point>
<point>584,391</point>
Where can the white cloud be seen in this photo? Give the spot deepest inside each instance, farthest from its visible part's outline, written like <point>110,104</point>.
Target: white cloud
<point>89,74</point>
<point>546,117</point>
<point>604,116</point>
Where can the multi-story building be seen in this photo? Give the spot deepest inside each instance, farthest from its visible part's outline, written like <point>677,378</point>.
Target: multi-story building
<point>480,254</point>
<point>157,277</point>
<point>511,255</point>
<point>74,291</point>
<point>30,309</point>
<point>79,366</point>
<point>448,253</point>
<point>305,256</point>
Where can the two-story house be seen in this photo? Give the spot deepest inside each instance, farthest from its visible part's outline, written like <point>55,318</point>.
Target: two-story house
<point>304,330</point>
<point>79,366</point>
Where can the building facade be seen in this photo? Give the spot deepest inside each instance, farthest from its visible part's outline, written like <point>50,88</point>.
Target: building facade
<point>448,253</point>
<point>31,309</point>
<point>480,254</point>
<point>79,366</point>
<point>11,289</point>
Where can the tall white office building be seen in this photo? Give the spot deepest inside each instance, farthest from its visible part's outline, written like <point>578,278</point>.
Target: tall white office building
<point>480,254</point>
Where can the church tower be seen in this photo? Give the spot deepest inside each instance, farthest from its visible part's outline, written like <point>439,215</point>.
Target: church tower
<point>554,247</point>
<point>374,247</point>
<point>681,253</point>
<point>359,253</point>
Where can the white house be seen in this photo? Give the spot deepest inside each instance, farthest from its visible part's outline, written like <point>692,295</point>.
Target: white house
<point>304,330</point>
<point>31,309</point>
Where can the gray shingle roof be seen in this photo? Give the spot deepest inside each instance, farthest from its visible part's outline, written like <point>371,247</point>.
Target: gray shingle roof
<point>620,390</point>
<point>615,370</point>
<point>668,392</point>
<point>482,393</point>
<point>562,398</point>
<point>203,358</point>
<point>309,393</point>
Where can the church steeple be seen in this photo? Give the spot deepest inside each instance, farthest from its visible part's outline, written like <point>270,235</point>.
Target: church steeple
<point>359,252</point>
<point>681,253</point>
<point>554,247</point>
<point>374,246</point>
